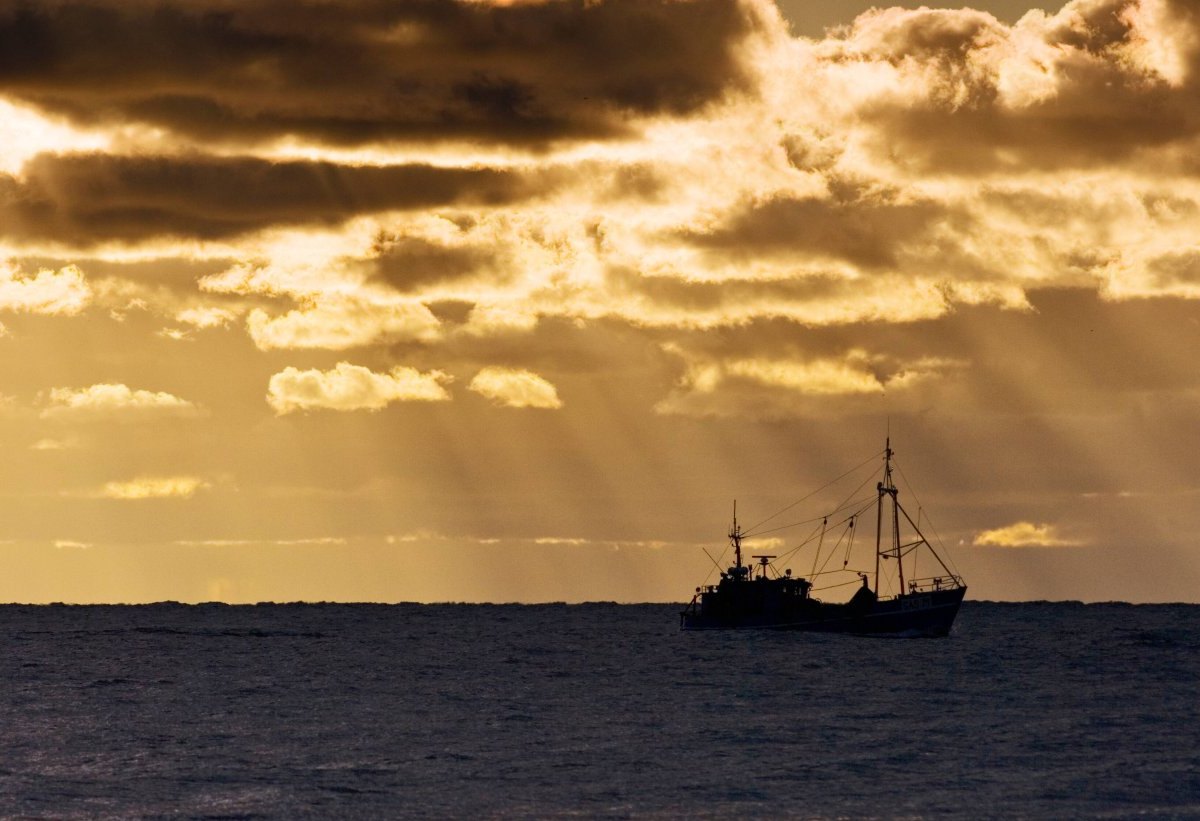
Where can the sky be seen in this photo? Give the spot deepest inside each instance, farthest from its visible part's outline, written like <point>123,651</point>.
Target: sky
<point>480,301</point>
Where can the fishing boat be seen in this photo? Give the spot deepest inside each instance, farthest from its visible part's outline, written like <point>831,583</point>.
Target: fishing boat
<point>758,596</point>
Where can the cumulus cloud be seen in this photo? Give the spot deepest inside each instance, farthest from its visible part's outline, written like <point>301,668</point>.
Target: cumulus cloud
<point>114,401</point>
<point>349,387</point>
<point>340,322</point>
<point>62,292</point>
<point>1094,83</point>
<point>370,70</point>
<point>1024,534</point>
<point>207,316</point>
<point>153,487</point>
<point>515,388</point>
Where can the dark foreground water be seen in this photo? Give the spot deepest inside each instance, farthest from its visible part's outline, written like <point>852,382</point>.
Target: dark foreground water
<point>1031,710</point>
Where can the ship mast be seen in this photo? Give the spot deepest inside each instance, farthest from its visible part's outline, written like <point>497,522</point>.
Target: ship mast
<point>897,549</point>
<point>887,488</point>
<point>735,536</point>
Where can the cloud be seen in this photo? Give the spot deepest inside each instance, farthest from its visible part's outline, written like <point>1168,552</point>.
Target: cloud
<point>955,90</point>
<point>349,387</point>
<point>859,227</point>
<point>70,544</point>
<point>515,388</point>
<point>95,197</point>
<point>769,387</point>
<point>115,401</point>
<point>822,376</point>
<point>153,487</point>
<point>409,263</point>
<point>1024,534</point>
<point>55,444</point>
<point>349,73</point>
<point>206,316</point>
<point>339,322</point>
<point>24,133</point>
<point>316,540</point>
<point>62,292</point>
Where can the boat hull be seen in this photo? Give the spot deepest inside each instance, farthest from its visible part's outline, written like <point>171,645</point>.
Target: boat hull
<point>919,614</point>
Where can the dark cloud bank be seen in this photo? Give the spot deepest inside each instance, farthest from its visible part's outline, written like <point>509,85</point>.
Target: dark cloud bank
<point>88,198</point>
<point>372,70</point>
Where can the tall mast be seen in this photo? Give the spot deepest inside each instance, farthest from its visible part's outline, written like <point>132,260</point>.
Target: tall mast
<point>887,487</point>
<point>895,517</point>
<point>879,511</point>
<point>735,536</point>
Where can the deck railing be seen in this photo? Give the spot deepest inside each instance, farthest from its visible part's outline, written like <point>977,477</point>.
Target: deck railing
<point>934,584</point>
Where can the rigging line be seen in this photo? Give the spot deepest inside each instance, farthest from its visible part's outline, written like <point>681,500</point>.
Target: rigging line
<point>864,505</point>
<point>839,507</point>
<point>857,467</point>
<point>838,570</point>
<point>818,530</point>
<point>863,508</point>
<point>817,554</point>
<point>783,558</point>
<point>823,527</point>
<point>846,502</point>
<point>917,554</point>
<point>832,550</point>
<point>716,564</point>
<point>843,506</point>
<point>848,534</point>
<point>853,531</point>
<point>814,533</point>
<point>941,544</point>
<point>832,586</point>
<point>711,559</point>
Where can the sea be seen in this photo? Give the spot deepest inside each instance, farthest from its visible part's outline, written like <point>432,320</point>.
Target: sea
<point>1032,710</point>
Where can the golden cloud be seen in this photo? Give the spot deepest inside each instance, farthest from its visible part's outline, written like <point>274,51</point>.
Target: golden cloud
<point>348,387</point>
<point>54,444</point>
<point>63,292</point>
<point>71,544</point>
<point>774,387</point>
<point>515,388</point>
<point>208,316</point>
<point>340,322</point>
<point>114,400</point>
<point>1024,534</point>
<point>314,540</point>
<point>25,133</point>
<point>154,487</point>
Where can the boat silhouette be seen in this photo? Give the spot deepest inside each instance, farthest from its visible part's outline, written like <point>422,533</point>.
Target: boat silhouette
<point>760,597</point>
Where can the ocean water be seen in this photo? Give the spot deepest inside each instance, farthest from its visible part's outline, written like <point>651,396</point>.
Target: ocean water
<point>1048,710</point>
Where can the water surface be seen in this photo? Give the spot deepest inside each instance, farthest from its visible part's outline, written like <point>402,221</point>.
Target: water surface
<point>284,711</point>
